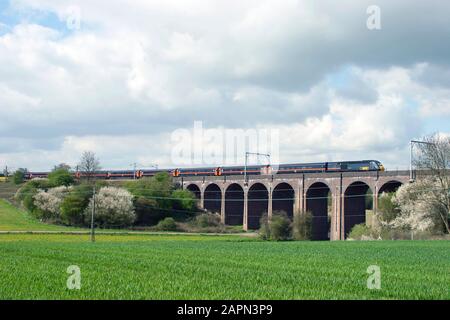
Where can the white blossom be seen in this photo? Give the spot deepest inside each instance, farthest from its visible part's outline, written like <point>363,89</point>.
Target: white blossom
<point>113,207</point>
<point>417,204</point>
<point>50,201</point>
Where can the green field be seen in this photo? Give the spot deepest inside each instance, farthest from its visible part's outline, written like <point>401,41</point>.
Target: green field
<point>12,219</point>
<point>210,267</point>
<point>33,266</point>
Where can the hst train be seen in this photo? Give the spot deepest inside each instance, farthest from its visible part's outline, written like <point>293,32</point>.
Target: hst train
<point>344,166</point>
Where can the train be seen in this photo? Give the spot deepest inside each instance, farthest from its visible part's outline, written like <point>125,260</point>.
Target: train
<point>344,166</point>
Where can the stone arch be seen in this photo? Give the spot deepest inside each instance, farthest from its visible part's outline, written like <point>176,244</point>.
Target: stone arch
<point>258,201</point>
<point>318,203</point>
<point>234,205</point>
<point>213,198</point>
<point>355,205</point>
<point>195,190</point>
<point>283,198</point>
<point>389,186</point>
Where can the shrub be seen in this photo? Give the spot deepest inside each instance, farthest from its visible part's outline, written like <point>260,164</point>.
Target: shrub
<point>280,226</point>
<point>60,177</point>
<point>158,188</point>
<point>74,205</point>
<point>264,230</point>
<point>49,202</point>
<point>387,209</point>
<point>167,224</point>
<point>26,193</point>
<point>19,176</point>
<point>360,231</point>
<point>147,212</point>
<point>184,201</point>
<point>113,208</point>
<point>302,226</point>
<point>206,220</point>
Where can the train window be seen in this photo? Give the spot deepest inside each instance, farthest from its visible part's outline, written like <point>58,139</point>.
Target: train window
<point>374,165</point>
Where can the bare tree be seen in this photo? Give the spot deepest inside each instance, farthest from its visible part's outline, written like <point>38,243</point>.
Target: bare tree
<point>434,161</point>
<point>89,165</point>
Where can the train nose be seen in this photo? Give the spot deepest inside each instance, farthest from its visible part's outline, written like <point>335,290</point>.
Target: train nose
<point>381,167</point>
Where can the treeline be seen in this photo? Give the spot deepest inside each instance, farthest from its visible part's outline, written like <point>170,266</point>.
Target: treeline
<point>146,202</point>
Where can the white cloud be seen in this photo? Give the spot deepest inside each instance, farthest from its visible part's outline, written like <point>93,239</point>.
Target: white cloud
<point>136,71</point>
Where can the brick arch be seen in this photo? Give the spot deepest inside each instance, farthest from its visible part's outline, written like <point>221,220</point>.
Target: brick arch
<point>212,198</point>
<point>326,182</point>
<point>234,204</point>
<point>355,204</point>
<point>264,183</point>
<point>283,198</point>
<point>389,186</point>
<point>317,203</point>
<point>258,200</point>
<point>195,189</point>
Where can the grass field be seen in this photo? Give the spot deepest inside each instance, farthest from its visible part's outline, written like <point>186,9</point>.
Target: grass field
<point>227,267</point>
<point>33,266</point>
<point>13,219</point>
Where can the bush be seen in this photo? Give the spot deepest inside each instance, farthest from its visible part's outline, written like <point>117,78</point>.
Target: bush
<point>302,226</point>
<point>49,202</point>
<point>158,188</point>
<point>277,228</point>
<point>387,209</point>
<point>19,176</point>
<point>113,208</point>
<point>25,195</point>
<point>264,230</point>
<point>168,224</point>
<point>360,232</point>
<point>74,205</point>
<point>60,177</point>
<point>184,201</point>
<point>147,212</point>
<point>206,220</point>
<point>280,226</point>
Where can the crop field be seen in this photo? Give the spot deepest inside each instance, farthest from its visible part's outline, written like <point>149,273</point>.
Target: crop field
<point>219,267</point>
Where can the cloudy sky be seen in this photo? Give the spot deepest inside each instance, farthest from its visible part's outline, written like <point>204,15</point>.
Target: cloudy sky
<point>119,77</point>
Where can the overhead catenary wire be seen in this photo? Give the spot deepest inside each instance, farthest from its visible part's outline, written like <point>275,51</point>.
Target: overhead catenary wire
<point>185,199</point>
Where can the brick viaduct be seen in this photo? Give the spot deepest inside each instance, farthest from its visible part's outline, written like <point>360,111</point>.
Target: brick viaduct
<point>240,203</point>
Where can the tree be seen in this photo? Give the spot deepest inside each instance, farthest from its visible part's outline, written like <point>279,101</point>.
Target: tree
<point>89,165</point>
<point>60,177</point>
<point>49,202</point>
<point>158,188</point>
<point>418,210</point>
<point>113,208</point>
<point>184,202</point>
<point>74,205</point>
<point>19,175</point>
<point>434,162</point>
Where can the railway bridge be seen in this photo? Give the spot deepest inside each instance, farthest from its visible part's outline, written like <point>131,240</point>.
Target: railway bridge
<point>337,201</point>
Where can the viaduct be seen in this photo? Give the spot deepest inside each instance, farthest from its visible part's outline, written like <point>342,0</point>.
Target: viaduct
<point>337,201</point>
